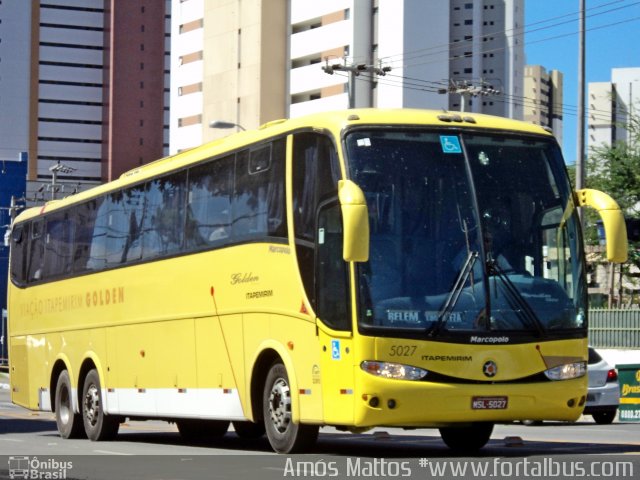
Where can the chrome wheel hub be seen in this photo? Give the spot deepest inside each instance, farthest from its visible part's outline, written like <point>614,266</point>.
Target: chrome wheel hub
<point>92,405</point>
<point>280,405</point>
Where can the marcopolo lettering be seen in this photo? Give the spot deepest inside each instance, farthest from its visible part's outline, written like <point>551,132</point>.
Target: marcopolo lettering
<point>476,339</point>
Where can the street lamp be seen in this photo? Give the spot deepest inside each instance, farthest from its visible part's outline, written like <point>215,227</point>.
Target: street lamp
<point>223,124</point>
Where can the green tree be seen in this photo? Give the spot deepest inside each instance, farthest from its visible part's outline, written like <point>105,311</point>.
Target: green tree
<point>615,169</point>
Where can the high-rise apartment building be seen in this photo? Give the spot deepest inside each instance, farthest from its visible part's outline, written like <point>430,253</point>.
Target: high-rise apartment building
<point>611,106</point>
<point>83,85</point>
<point>228,63</point>
<point>429,46</point>
<point>542,100</point>
<point>251,61</point>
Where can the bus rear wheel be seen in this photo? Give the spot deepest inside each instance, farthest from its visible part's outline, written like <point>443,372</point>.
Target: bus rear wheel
<point>68,422</point>
<point>284,435</point>
<point>98,425</point>
<point>196,430</point>
<point>468,438</point>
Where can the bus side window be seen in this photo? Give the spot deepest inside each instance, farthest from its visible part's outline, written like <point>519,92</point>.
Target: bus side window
<point>209,203</point>
<point>259,197</point>
<point>20,240</point>
<point>164,217</point>
<point>58,244</point>
<point>36,251</point>
<point>86,216</point>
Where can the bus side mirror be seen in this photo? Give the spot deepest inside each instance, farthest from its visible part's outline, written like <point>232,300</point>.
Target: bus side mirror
<point>355,218</point>
<point>612,220</point>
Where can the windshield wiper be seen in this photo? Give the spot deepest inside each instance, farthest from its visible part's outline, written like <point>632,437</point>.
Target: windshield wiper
<point>515,296</point>
<point>454,294</point>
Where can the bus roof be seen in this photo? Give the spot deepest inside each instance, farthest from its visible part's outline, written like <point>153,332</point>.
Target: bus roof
<point>334,121</point>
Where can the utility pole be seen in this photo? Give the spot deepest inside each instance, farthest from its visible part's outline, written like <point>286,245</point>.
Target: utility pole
<point>55,170</point>
<point>580,170</point>
<point>354,71</point>
<point>467,89</point>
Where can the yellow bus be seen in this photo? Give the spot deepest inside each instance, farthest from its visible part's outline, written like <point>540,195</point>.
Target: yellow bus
<point>360,268</point>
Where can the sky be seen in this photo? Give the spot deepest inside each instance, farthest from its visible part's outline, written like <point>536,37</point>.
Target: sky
<point>551,40</point>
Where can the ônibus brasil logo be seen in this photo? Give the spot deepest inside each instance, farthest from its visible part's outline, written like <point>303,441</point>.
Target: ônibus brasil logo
<point>28,468</point>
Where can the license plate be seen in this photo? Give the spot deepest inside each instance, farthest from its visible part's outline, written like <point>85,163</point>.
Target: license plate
<point>489,403</point>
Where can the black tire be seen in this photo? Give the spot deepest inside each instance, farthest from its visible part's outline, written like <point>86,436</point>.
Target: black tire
<point>196,430</point>
<point>284,435</point>
<point>532,423</point>
<point>468,438</point>
<point>97,424</point>
<point>249,429</point>
<point>604,418</point>
<point>68,422</point>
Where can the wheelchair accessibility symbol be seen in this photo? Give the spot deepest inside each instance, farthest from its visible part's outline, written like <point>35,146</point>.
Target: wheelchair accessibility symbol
<point>335,349</point>
<point>450,144</point>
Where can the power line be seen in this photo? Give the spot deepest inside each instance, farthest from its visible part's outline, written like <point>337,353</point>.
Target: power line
<point>354,71</point>
<point>448,46</point>
<point>453,46</point>
<point>436,86</point>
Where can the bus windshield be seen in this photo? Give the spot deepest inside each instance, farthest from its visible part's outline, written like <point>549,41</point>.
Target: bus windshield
<point>471,233</point>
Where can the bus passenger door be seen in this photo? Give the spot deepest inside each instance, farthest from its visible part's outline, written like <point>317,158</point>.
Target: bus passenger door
<point>334,318</point>
<point>317,226</point>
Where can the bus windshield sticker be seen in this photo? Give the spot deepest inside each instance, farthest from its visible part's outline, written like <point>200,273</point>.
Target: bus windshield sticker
<point>450,144</point>
<point>364,142</point>
<point>335,349</point>
<point>410,316</point>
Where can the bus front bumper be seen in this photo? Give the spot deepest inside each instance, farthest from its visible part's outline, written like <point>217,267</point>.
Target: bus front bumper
<point>405,403</point>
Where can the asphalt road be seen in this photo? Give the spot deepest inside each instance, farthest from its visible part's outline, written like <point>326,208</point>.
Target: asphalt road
<point>156,450</point>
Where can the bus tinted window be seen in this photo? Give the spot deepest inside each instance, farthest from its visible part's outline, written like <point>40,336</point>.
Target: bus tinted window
<point>209,204</point>
<point>240,197</point>
<point>315,177</point>
<point>86,215</point>
<point>117,229</point>
<point>259,198</point>
<point>20,241</point>
<point>36,251</point>
<point>165,215</point>
<point>58,244</point>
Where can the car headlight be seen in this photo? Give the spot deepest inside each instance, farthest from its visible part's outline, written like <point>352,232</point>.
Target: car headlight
<point>396,371</point>
<point>567,371</point>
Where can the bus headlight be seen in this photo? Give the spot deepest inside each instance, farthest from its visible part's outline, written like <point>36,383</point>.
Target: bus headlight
<point>396,371</point>
<point>567,372</point>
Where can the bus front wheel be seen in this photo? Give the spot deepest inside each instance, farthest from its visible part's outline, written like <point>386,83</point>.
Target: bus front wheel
<point>97,424</point>
<point>468,438</point>
<point>68,422</point>
<point>284,435</point>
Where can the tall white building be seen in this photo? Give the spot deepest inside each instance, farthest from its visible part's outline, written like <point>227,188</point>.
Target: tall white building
<point>429,46</point>
<point>542,103</point>
<point>251,61</point>
<point>610,105</point>
<point>229,62</point>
